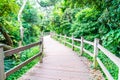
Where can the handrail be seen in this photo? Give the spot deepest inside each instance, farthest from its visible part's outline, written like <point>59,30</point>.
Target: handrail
<point>77,39</point>
<point>88,42</point>
<point>69,43</point>
<point>115,59</point>
<point>69,37</point>
<point>13,51</point>
<point>104,69</point>
<point>76,46</point>
<point>88,52</point>
<point>22,64</point>
<point>4,74</point>
<point>96,59</point>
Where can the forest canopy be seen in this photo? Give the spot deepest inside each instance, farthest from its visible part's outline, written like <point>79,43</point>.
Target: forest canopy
<point>88,18</point>
<point>91,19</point>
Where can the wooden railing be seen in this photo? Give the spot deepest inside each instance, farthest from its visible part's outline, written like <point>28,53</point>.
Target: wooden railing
<point>94,55</point>
<point>3,74</point>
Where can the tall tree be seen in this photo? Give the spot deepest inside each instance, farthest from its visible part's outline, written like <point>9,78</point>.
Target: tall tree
<point>8,9</point>
<point>20,21</point>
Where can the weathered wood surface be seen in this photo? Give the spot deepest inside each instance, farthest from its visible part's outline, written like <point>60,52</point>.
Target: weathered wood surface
<point>2,75</point>
<point>22,64</point>
<point>59,63</point>
<point>13,51</point>
<point>96,60</point>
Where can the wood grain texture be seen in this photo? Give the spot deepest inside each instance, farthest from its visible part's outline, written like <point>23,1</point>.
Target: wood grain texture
<point>59,63</point>
<point>13,51</point>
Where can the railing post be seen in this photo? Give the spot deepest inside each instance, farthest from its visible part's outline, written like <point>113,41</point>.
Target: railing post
<point>96,42</point>
<point>55,35</point>
<point>65,39</point>
<point>51,34</point>
<point>72,42</point>
<point>41,48</point>
<point>2,72</point>
<point>82,46</point>
<point>60,38</point>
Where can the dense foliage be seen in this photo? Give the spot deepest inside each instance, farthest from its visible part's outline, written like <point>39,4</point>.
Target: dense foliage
<point>10,63</point>
<point>8,14</point>
<point>9,26</point>
<point>31,24</point>
<point>91,19</point>
<point>10,32</point>
<point>88,18</point>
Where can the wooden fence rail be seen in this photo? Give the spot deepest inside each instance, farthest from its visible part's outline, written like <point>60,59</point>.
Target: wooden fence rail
<point>3,74</point>
<point>94,55</point>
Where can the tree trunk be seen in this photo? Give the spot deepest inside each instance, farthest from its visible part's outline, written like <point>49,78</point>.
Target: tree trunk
<point>20,22</point>
<point>6,36</point>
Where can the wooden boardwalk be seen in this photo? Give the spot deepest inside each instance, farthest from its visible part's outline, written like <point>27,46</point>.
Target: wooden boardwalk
<point>59,63</point>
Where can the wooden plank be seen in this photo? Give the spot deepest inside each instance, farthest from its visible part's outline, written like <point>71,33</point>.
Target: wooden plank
<point>13,51</point>
<point>82,46</point>
<point>2,72</point>
<point>60,64</point>
<point>105,70</point>
<point>62,36</point>
<point>76,46</point>
<point>69,43</point>
<point>96,42</point>
<point>41,49</point>
<point>47,33</point>
<point>77,39</point>
<point>22,64</point>
<point>57,35</point>
<point>72,42</point>
<point>88,52</point>
<point>51,34</point>
<point>68,37</point>
<point>65,40</point>
<point>88,42</point>
<point>110,55</point>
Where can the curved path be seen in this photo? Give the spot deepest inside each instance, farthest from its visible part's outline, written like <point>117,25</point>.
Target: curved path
<point>59,63</point>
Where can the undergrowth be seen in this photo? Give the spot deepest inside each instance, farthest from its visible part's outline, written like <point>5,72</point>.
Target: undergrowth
<point>11,62</point>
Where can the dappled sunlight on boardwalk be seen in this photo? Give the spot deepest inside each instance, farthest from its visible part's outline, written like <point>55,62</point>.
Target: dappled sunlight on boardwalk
<point>59,63</point>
